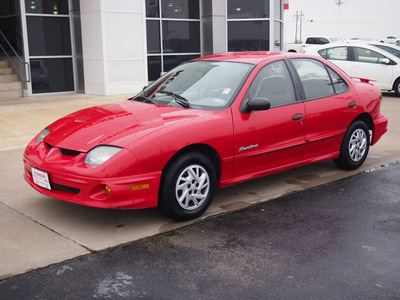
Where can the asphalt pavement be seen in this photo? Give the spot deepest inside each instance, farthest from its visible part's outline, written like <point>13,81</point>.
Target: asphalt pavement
<point>67,251</point>
<point>337,241</point>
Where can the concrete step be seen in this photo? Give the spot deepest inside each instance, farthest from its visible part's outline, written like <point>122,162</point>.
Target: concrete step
<point>3,63</point>
<point>10,94</point>
<point>8,78</point>
<point>5,71</point>
<point>10,86</point>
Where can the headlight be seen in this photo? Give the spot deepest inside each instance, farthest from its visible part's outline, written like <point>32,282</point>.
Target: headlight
<point>42,135</point>
<point>100,154</point>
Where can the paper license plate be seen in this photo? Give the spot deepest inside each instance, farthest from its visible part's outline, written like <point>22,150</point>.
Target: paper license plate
<point>41,178</point>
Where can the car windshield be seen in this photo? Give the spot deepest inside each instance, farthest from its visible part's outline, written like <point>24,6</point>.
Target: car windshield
<point>335,40</point>
<point>391,50</point>
<point>208,85</point>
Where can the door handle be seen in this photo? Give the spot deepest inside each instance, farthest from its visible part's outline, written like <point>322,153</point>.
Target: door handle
<point>297,117</point>
<point>353,104</point>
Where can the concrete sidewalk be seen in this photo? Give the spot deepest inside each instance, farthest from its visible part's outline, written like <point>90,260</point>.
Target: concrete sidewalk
<point>37,231</point>
<point>22,118</point>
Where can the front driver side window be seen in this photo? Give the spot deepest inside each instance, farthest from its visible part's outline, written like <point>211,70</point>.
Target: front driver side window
<point>369,56</point>
<point>274,83</point>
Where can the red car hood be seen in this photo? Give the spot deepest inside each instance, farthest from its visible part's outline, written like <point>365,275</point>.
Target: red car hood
<point>117,124</point>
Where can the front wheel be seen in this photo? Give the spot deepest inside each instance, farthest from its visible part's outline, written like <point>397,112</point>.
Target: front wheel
<point>187,187</point>
<point>355,147</point>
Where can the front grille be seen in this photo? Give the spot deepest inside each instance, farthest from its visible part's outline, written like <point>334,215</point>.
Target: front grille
<point>69,152</point>
<point>65,188</point>
<point>66,152</point>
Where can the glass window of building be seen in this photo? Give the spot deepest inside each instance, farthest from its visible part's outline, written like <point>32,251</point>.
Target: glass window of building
<point>255,9</point>
<point>248,36</point>
<point>50,50</point>
<point>248,25</point>
<point>173,34</point>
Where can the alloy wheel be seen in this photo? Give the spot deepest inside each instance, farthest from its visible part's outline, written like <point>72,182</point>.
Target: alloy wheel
<point>357,145</point>
<point>192,187</point>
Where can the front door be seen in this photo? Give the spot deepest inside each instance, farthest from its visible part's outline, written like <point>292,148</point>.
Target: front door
<point>371,65</point>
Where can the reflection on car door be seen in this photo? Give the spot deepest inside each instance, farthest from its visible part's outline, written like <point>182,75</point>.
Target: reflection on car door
<point>272,138</point>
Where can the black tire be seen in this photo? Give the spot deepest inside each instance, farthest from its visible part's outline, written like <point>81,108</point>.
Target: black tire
<point>396,87</point>
<point>355,147</point>
<point>187,187</point>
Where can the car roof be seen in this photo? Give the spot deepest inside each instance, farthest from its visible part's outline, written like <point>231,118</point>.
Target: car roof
<point>252,57</point>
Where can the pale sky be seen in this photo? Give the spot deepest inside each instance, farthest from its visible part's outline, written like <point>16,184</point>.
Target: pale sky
<point>368,19</point>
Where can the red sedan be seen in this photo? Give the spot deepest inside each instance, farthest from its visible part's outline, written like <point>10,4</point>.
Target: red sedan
<point>211,122</point>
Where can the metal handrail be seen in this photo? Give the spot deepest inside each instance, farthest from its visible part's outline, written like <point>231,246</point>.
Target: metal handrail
<point>22,64</point>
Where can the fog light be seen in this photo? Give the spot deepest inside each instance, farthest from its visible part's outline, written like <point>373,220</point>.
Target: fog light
<point>107,189</point>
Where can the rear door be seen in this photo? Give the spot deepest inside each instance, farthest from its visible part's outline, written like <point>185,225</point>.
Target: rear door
<point>330,107</point>
<point>271,138</point>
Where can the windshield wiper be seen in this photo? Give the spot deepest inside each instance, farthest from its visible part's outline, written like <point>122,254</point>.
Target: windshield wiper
<point>178,98</point>
<point>146,99</point>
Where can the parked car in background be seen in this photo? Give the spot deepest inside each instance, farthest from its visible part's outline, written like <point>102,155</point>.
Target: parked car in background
<point>364,61</point>
<point>212,122</point>
<point>390,40</point>
<point>311,41</point>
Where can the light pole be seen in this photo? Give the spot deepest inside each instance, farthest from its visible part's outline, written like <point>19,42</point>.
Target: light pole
<point>339,3</point>
<point>299,27</point>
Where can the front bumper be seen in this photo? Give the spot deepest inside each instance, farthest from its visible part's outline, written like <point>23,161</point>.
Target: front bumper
<point>127,192</point>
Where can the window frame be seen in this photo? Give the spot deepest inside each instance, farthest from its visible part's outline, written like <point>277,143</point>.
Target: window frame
<point>335,47</point>
<point>70,56</point>
<point>369,62</point>
<point>300,84</point>
<point>163,54</point>
<point>290,77</point>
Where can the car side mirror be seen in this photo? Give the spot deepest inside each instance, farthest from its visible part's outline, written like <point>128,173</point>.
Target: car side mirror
<point>386,61</point>
<point>256,104</point>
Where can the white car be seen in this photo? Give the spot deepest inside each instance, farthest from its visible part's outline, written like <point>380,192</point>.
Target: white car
<point>390,40</point>
<point>363,61</point>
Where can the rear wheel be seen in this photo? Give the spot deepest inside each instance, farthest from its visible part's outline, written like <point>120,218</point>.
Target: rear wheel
<point>187,187</point>
<point>396,87</point>
<point>355,147</point>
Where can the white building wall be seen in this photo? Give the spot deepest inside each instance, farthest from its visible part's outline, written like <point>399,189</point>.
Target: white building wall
<point>114,46</point>
<point>366,19</point>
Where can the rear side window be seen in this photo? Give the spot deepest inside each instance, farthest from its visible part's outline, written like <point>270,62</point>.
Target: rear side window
<point>339,84</point>
<point>336,53</point>
<point>317,40</point>
<point>322,41</point>
<point>314,78</point>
